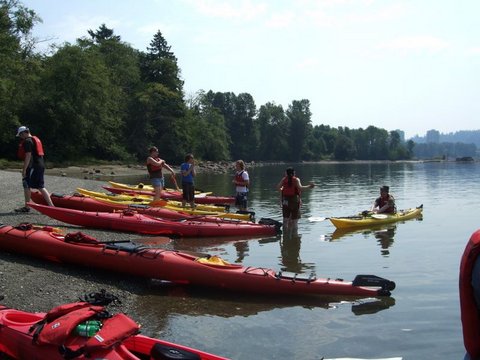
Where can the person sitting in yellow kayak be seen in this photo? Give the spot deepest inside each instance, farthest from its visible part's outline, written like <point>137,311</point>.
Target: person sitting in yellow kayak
<point>385,204</point>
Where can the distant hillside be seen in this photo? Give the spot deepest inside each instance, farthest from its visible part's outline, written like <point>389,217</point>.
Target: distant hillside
<point>462,136</point>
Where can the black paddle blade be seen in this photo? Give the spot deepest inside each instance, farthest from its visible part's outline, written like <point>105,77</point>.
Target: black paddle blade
<point>101,298</point>
<point>373,281</point>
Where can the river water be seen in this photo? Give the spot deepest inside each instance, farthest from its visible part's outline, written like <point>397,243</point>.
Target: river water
<point>420,321</point>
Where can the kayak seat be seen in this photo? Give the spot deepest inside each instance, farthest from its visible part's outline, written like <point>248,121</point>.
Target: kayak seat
<point>296,277</point>
<point>164,352</point>
<point>129,212</point>
<point>128,247</point>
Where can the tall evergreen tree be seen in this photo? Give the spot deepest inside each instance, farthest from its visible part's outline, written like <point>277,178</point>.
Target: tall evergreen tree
<point>103,34</point>
<point>158,112</point>
<point>159,65</point>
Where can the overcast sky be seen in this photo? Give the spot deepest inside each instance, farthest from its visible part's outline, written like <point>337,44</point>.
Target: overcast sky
<point>412,65</point>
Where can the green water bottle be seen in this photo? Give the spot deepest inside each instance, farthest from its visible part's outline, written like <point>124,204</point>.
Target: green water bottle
<point>88,328</point>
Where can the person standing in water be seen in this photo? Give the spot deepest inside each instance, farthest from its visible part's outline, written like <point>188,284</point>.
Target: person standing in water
<point>291,188</point>
<point>241,181</point>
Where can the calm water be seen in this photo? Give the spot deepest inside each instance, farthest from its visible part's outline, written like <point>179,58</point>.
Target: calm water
<point>421,256</point>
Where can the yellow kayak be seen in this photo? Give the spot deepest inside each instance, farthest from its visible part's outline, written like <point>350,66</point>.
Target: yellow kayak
<point>146,200</point>
<point>142,186</point>
<point>375,219</point>
<point>185,210</point>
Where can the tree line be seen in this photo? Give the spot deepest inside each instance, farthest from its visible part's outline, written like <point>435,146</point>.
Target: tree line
<point>100,98</point>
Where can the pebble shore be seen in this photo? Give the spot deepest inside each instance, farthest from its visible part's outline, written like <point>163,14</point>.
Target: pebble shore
<point>37,285</point>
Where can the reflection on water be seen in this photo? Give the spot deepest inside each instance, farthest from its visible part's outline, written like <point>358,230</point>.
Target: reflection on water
<point>166,299</point>
<point>421,256</point>
<point>385,235</point>
<point>290,246</point>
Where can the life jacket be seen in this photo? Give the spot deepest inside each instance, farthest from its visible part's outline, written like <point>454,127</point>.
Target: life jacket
<point>239,178</point>
<point>288,190</point>
<point>382,202</point>
<point>470,313</point>
<point>114,330</point>
<point>37,144</point>
<point>60,322</point>
<point>153,169</point>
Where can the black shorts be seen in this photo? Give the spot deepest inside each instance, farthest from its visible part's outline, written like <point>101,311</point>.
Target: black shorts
<point>291,207</point>
<point>241,200</point>
<point>188,192</point>
<point>35,178</point>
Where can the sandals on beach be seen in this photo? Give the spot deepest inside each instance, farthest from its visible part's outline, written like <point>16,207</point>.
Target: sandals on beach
<point>23,209</point>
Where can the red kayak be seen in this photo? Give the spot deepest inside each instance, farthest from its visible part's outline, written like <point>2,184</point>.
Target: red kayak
<point>78,331</point>
<point>85,203</point>
<point>178,267</point>
<point>208,199</point>
<point>469,310</point>
<point>129,220</point>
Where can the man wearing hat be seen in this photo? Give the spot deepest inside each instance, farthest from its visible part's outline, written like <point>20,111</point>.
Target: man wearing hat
<point>385,204</point>
<point>30,150</point>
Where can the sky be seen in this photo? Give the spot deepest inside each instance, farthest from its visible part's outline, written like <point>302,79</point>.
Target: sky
<point>412,65</point>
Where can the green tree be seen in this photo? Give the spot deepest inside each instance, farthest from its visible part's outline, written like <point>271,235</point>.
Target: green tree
<point>344,148</point>
<point>123,68</point>
<point>103,34</point>
<point>158,111</point>
<point>318,143</point>
<point>160,65</point>
<point>300,127</point>
<point>157,118</point>
<point>245,132</point>
<point>239,113</point>
<point>273,128</point>
<point>18,67</point>
<point>79,107</point>
<point>210,140</point>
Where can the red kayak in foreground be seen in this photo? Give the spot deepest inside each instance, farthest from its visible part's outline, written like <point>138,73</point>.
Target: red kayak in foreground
<point>129,220</point>
<point>79,331</point>
<point>178,267</point>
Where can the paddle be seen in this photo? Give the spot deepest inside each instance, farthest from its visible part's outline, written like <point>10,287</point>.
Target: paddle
<point>363,214</point>
<point>174,179</point>
<point>319,218</point>
<point>379,216</point>
<point>153,240</point>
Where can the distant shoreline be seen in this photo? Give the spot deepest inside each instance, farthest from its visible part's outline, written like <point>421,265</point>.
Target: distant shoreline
<point>221,167</point>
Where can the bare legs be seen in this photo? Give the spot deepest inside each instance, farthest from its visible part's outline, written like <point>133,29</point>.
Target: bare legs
<point>290,223</point>
<point>158,193</point>
<point>46,196</point>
